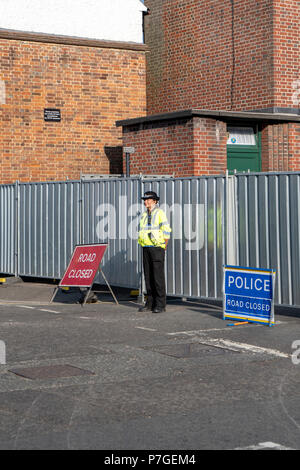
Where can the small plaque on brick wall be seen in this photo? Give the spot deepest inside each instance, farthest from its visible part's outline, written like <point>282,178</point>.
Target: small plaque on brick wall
<point>129,149</point>
<point>52,115</point>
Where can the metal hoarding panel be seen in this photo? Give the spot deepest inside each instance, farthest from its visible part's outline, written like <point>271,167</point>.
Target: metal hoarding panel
<point>194,206</point>
<point>285,280</point>
<point>295,236</point>
<point>49,227</point>
<point>111,210</point>
<point>42,222</point>
<point>268,227</point>
<point>8,229</point>
<point>195,254</point>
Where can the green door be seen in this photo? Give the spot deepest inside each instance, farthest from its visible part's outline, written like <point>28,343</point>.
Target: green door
<point>243,148</point>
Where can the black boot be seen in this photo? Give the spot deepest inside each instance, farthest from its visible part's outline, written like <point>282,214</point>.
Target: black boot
<point>159,309</point>
<point>146,308</point>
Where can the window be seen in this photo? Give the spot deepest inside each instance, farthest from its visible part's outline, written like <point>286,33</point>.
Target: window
<point>241,136</point>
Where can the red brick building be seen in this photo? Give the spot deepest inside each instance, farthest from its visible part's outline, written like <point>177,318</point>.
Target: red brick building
<point>90,83</point>
<point>223,88</point>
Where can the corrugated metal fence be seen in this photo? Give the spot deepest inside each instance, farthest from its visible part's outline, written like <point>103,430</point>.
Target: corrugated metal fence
<point>268,222</point>
<point>247,219</point>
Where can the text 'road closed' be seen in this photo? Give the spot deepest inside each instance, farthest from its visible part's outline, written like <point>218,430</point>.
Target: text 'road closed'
<point>249,294</point>
<point>84,265</point>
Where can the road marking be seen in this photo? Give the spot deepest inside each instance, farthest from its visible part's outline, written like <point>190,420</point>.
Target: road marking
<point>35,308</point>
<point>25,306</point>
<point>199,332</point>
<point>227,344</point>
<point>49,311</point>
<point>265,445</point>
<point>88,318</point>
<point>244,347</point>
<point>207,330</point>
<point>144,328</point>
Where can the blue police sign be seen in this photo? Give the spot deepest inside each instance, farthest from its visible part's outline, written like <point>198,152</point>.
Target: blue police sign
<point>249,294</point>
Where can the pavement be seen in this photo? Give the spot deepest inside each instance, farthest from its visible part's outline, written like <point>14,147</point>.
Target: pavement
<point>104,376</point>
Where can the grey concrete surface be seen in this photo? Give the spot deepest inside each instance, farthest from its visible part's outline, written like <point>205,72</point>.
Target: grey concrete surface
<point>181,380</point>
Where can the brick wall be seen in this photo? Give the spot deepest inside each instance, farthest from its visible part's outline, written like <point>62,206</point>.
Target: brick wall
<point>161,148</point>
<point>210,146</point>
<point>179,147</point>
<point>281,147</point>
<point>294,147</point>
<point>287,53</point>
<point>197,145</point>
<point>220,54</point>
<point>92,86</point>
<point>275,147</point>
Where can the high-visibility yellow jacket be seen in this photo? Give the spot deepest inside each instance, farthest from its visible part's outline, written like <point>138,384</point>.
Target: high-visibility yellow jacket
<point>154,228</point>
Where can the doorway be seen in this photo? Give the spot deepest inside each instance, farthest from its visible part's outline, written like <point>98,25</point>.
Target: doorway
<point>243,148</point>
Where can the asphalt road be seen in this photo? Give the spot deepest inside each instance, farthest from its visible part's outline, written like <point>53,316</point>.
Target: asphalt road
<point>177,381</point>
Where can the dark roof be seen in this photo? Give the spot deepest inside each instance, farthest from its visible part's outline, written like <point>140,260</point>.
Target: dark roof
<point>225,115</point>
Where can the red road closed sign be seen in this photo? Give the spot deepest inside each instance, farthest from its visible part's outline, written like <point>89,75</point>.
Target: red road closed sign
<point>83,266</point>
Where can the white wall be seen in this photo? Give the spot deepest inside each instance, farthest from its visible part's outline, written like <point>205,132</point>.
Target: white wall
<point>116,20</point>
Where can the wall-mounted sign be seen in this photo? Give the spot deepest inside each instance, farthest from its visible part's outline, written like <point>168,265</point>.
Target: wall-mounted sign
<point>249,294</point>
<point>129,149</point>
<point>52,115</point>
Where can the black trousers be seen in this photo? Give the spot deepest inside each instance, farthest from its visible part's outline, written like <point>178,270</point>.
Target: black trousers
<point>154,272</point>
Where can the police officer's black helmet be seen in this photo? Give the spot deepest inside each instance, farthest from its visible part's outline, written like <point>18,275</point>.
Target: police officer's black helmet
<point>150,195</point>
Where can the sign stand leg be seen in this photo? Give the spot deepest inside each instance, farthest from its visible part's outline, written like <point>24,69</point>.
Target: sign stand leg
<point>86,296</point>
<point>54,294</point>
<point>114,297</point>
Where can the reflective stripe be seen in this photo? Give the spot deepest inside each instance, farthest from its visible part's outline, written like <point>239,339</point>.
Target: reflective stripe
<point>158,230</point>
<point>154,214</point>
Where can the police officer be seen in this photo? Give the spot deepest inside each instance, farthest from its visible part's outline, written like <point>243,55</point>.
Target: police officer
<point>154,234</point>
